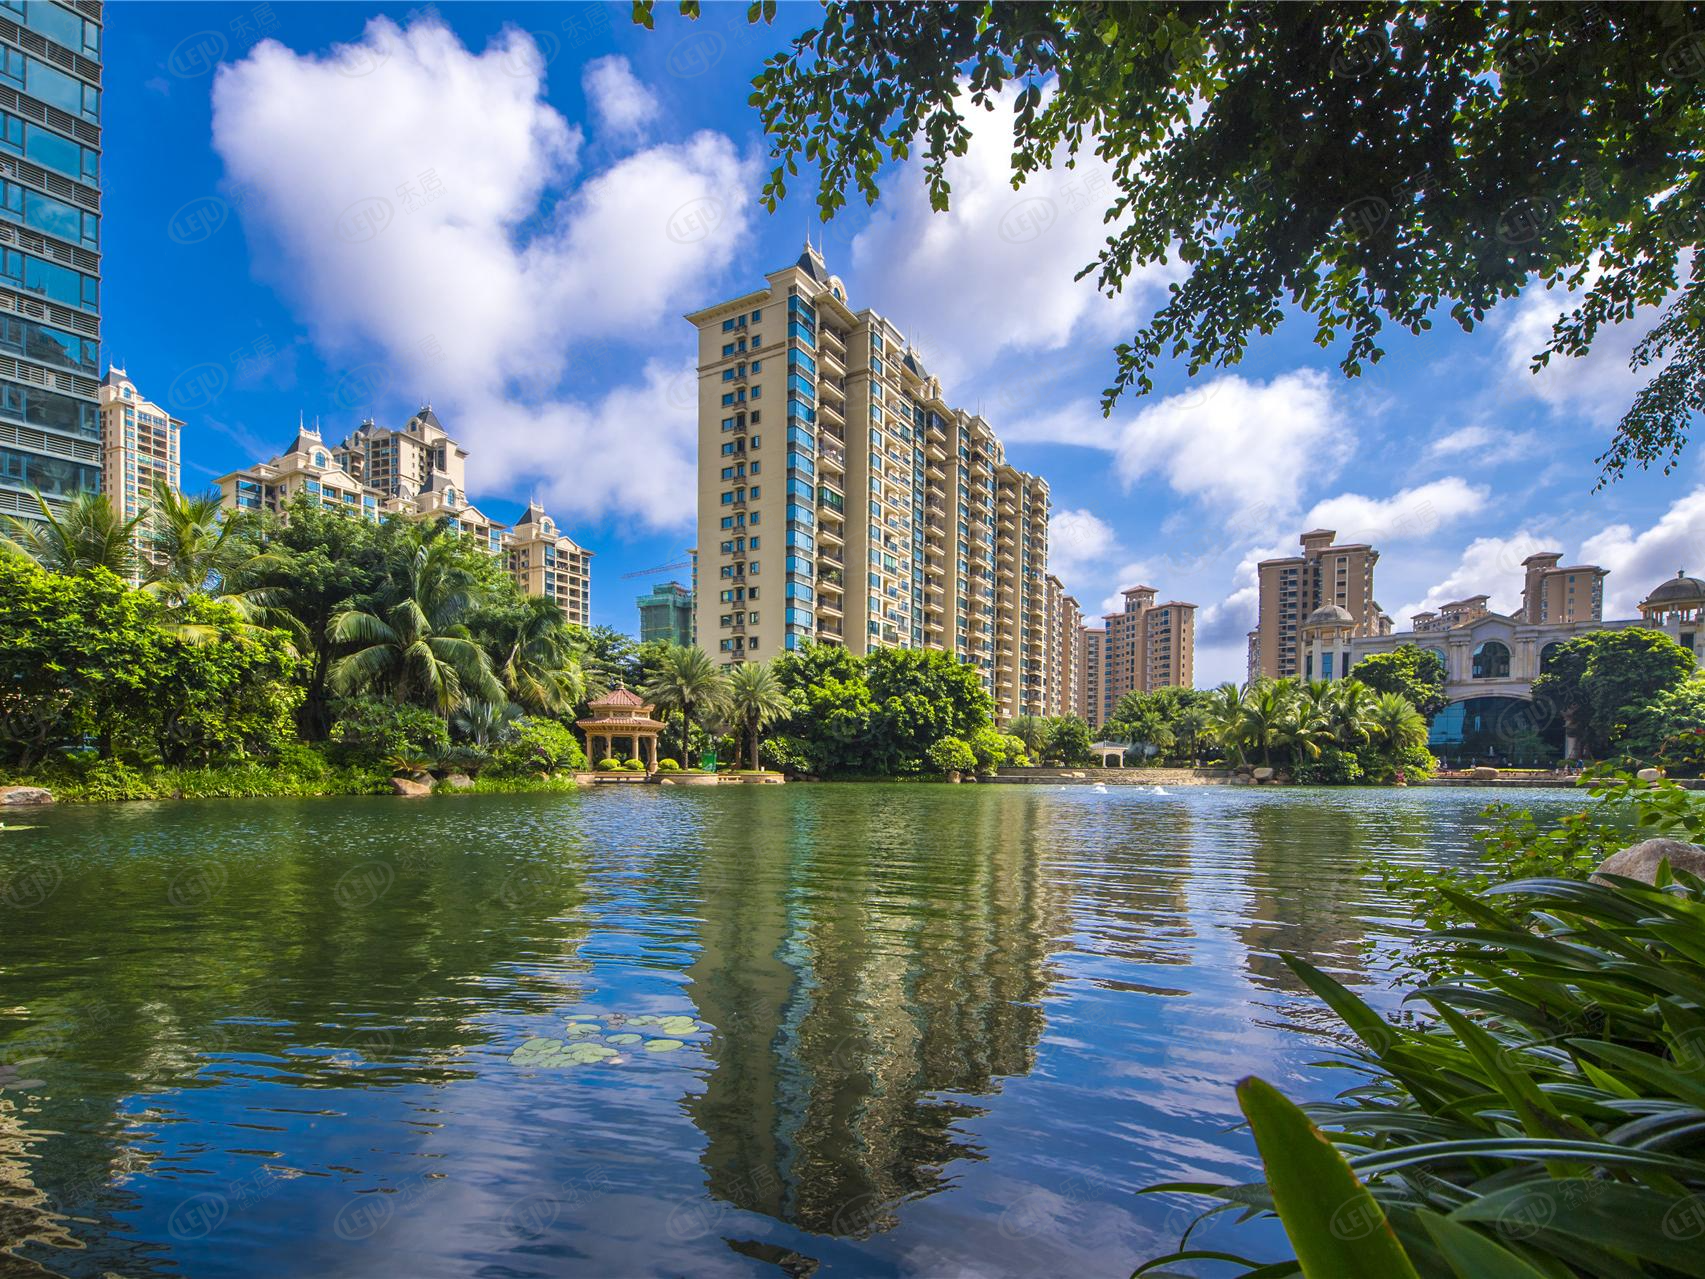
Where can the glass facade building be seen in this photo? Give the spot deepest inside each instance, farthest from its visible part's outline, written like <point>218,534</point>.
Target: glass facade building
<point>666,614</point>
<point>50,263</point>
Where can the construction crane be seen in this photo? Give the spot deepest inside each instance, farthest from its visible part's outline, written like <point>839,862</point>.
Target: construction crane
<point>659,570</point>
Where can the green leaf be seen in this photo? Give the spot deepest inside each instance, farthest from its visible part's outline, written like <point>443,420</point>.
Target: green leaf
<point>1334,1224</point>
<point>1471,1255</point>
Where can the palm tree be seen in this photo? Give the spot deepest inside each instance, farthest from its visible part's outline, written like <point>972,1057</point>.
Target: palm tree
<point>1032,730</point>
<point>756,698</point>
<point>1268,716</point>
<point>195,545</point>
<point>687,678</point>
<point>1345,709</point>
<point>86,535</point>
<point>533,653</point>
<point>1396,725</point>
<point>1224,708</point>
<point>412,643</point>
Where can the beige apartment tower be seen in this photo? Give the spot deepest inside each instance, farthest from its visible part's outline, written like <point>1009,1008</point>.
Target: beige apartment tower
<point>140,444</point>
<point>1569,594</point>
<point>1295,586</point>
<point>841,499</point>
<point>1144,647</point>
<point>417,470</point>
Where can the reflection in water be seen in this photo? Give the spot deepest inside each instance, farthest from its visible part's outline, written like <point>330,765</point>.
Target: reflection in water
<point>863,1007</point>
<point>953,1028</point>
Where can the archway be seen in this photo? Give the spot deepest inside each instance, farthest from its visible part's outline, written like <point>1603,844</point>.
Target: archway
<point>1492,660</point>
<point>1511,732</point>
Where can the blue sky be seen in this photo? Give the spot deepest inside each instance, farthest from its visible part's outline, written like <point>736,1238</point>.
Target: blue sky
<point>333,210</point>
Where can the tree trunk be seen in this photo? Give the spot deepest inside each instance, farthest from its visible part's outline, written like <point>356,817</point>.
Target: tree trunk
<point>754,765</point>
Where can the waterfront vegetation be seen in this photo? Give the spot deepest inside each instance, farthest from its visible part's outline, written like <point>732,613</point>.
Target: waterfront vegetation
<point>1546,1117</point>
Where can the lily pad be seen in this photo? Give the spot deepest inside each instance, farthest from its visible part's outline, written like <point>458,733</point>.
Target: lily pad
<point>675,1026</point>
<point>622,1039</point>
<point>581,1030</point>
<point>583,1017</point>
<point>663,1045</point>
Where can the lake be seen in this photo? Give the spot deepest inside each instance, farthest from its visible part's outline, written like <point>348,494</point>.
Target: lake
<point>934,1030</point>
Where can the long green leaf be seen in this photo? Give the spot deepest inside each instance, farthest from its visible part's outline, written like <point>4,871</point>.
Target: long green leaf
<point>1336,1227</point>
<point>1472,1255</point>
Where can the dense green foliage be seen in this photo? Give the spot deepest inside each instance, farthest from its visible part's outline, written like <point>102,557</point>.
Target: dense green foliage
<point>1362,164</point>
<point>87,661</point>
<point>323,646</point>
<point>1414,673</point>
<point>875,716</point>
<point>1600,680</point>
<point>1546,1119</point>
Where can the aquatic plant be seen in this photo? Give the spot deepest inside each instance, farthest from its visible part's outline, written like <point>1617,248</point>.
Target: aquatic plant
<point>1548,1121</point>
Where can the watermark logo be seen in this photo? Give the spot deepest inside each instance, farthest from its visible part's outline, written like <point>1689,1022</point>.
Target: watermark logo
<point>528,58</point>
<point>196,55</point>
<point>859,1217</point>
<point>1685,59</point>
<point>1364,216</point>
<point>197,386</point>
<point>365,219</point>
<point>1356,1219</point>
<point>198,885</point>
<point>31,886</point>
<point>363,384</point>
<point>1523,222</point>
<point>364,884</point>
<point>693,1219</point>
<point>1685,1219</point>
<point>198,220</point>
<point>363,1217</point>
<point>198,1216</point>
<point>530,1217</point>
<point>362,60</point>
<point>1365,51</point>
<point>1526,1216</point>
<point>1028,219</point>
<point>695,220</point>
<point>694,54</point>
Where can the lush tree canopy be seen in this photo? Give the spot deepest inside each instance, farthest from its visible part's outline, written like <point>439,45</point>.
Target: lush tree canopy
<point>1599,680</point>
<point>1365,164</point>
<point>1412,672</point>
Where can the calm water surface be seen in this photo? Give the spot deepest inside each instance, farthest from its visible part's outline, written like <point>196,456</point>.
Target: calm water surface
<point>943,1031</point>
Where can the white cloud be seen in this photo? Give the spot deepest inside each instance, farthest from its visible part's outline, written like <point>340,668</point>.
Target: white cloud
<point>996,271</point>
<point>1485,445</point>
<point>623,105</point>
<point>1079,541</point>
<point>1489,566</point>
<point>1247,446</point>
<point>1597,386</point>
<point>1412,513</point>
<point>417,236</point>
<point>1640,561</point>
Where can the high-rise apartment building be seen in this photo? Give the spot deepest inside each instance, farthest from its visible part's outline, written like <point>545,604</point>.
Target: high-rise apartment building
<point>546,561</point>
<point>666,614</point>
<point>140,447</point>
<point>1145,646</point>
<point>1568,594</point>
<point>416,470</point>
<point>50,264</point>
<point>1295,586</point>
<point>1065,656</point>
<point>886,517</point>
<point>1092,661</point>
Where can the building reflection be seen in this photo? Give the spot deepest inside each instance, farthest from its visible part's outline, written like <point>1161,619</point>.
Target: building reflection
<point>869,981</point>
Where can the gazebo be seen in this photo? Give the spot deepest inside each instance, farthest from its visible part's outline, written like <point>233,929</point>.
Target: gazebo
<point>1114,751</point>
<point>620,714</point>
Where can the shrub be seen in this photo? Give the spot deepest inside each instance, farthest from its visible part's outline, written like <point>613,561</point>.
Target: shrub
<point>952,755</point>
<point>635,764</point>
<point>371,730</point>
<point>1335,767</point>
<point>668,766</point>
<point>609,766</point>
<point>1546,1122</point>
<point>538,746</point>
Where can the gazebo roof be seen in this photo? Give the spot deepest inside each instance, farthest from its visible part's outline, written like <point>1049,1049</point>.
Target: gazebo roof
<point>606,722</point>
<point>618,699</point>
